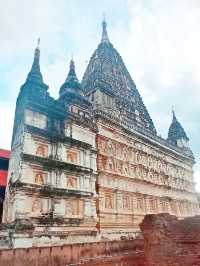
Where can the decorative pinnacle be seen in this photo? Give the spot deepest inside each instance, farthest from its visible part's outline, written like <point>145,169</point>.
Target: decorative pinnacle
<point>173,113</point>
<point>38,43</point>
<point>72,71</point>
<point>104,32</point>
<point>72,64</point>
<point>37,50</point>
<point>71,83</point>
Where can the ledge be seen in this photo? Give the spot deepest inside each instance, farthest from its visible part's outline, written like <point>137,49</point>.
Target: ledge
<point>46,190</point>
<point>145,134</point>
<point>143,181</point>
<point>53,163</point>
<point>44,220</point>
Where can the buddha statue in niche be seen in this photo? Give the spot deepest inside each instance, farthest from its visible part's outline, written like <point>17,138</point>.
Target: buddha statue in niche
<point>39,179</point>
<point>71,182</point>
<point>72,156</point>
<point>41,151</point>
<point>110,148</point>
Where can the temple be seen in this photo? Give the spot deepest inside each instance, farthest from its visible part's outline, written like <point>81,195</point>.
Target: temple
<point>89,165</point>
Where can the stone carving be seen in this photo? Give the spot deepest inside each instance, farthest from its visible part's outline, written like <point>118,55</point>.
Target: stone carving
<point>126,203</point>
<point>119,201</point>
<point>39,179</point>
<point>110,148</point>
<point>41,150</point>
<point>76,208</point>
<point>153,205</point>
<point>71,182</point>
<point>164,206</point>
<point>132,162</point>
<point>110,164</point>
<point>109,201</point>
<point>72,156</point>
<point>140,203</point>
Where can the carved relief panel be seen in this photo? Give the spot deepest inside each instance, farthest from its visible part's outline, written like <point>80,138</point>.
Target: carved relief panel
<point>109,201</point>
<point>41,150</point>
<point>40,177</point>
<point>72,156</point>
<point>153,205</point>
<point>140,204</point>
<point>74,208</point>
<point>72,182</point>
<point>36,207</point>
<point>127,204</point>
<point>139,162</point>
<point>164,206</point>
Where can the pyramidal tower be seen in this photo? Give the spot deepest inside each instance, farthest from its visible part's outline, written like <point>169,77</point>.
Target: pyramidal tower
<point>138,171</point>
<point>51,194</point>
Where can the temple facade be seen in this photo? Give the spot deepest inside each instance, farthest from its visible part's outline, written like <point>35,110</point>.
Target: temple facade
<point>89,165</point>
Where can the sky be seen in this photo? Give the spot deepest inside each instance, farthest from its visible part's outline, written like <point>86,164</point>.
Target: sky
<point>158,40</point>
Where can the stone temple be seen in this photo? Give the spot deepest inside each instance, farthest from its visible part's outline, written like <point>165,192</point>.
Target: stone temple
<point>89,165</point>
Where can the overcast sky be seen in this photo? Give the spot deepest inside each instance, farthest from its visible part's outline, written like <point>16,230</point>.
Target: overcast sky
<point>158,40</point>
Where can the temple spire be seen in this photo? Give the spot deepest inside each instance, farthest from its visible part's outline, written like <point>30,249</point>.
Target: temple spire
<point>104,32</point>
<point>72,73</point>
<point>71,83</point>
<point>35,74</point>
<point>176,132</point>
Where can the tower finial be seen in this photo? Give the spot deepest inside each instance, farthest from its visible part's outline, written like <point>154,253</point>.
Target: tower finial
<point>173,110</point>
<point>35,73</point>
<point>72,64</point>
<point>173,113</point>
<point>104,31</point>
<point>38,42</point>
<point>37,50</point>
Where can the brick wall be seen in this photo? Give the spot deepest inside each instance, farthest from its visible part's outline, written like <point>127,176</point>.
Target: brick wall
<point>113,253</point>
<point>167,242</point>
<point>171,242</point>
